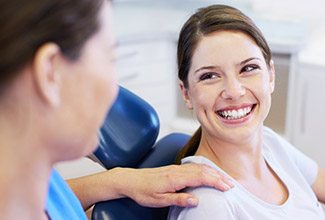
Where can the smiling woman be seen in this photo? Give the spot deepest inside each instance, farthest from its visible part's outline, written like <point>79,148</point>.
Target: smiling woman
<point>227,77</point>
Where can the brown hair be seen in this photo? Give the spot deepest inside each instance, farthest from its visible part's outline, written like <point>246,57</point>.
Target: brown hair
<point>27,25</point>
<point>203,22</point>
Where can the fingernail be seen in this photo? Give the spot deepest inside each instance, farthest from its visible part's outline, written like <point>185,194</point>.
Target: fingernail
<point>226,186</point>
<point>229,183</point>
<point>192,202</point>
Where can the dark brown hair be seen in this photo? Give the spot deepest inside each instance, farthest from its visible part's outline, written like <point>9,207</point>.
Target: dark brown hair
<point>203,22</point>
<point>27,25</point>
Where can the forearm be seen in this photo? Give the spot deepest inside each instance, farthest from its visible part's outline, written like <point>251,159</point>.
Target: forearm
<point>97,187</point>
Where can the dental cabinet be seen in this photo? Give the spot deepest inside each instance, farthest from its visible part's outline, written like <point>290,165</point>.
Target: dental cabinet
<point>309,118</point>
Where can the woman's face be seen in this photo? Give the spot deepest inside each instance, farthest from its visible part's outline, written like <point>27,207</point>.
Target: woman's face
<point>230,86</point>
<point>89,89</point>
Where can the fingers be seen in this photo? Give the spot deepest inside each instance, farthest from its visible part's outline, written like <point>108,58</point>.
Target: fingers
<point>193,175</point>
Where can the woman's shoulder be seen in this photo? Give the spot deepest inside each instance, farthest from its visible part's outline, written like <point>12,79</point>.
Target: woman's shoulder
<point>213,204</point>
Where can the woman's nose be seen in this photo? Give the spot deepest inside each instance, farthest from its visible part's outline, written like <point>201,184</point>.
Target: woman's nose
<point>233,89</point>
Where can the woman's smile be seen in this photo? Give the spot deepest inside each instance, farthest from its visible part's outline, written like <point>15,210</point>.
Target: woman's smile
<point>236,114</point>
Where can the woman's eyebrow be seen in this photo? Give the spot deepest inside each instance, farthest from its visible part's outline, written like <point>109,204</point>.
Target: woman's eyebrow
<point>247,60</point>
<point>215,67</point>
<point>205,68</point>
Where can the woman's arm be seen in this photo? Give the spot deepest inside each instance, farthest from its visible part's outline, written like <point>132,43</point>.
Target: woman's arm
<point>152,187</point>
<point>319,185</point>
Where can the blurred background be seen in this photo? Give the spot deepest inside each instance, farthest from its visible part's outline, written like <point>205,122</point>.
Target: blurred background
<point>147,33</point>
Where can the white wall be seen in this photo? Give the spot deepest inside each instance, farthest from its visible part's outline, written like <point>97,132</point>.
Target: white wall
<point>309,12</point>
<point>290,9</point>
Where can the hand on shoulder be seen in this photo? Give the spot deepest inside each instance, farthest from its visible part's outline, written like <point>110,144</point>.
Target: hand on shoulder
<point>159,187</point>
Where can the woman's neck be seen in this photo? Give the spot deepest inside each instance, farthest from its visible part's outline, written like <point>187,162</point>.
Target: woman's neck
<point>244,162</point>
<point>239,159</point>
<point>24,174</point>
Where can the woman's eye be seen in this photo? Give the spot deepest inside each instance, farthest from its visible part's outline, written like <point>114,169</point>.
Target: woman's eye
<point>249,68</point>
<point>207,76</point>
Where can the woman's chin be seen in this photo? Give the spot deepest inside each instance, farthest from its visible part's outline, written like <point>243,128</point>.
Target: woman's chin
<point>92,146</point>
<point>86,148</point>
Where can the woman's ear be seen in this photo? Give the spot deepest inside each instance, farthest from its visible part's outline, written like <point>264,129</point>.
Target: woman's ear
<point>272,76</point>
<point>46,77</point>
<point>185,95</point>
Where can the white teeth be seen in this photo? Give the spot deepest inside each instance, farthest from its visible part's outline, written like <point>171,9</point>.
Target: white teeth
<point>235,114</point>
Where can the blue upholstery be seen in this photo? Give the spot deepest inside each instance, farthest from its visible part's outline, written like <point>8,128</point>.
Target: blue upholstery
<point>129,131</point>
<point>128,139</point>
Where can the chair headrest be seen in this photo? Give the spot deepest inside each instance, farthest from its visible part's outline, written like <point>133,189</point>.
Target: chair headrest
<point>128,132</point>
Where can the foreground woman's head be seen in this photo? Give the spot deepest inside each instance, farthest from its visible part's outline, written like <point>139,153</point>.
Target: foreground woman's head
<point>56,71</point>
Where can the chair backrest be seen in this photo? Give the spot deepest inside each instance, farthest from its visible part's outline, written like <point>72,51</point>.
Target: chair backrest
<point>128,139</point>
<point>128,132</point>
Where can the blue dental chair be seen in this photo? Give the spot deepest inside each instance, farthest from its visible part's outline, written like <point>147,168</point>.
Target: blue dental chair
<point>128,138</point>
